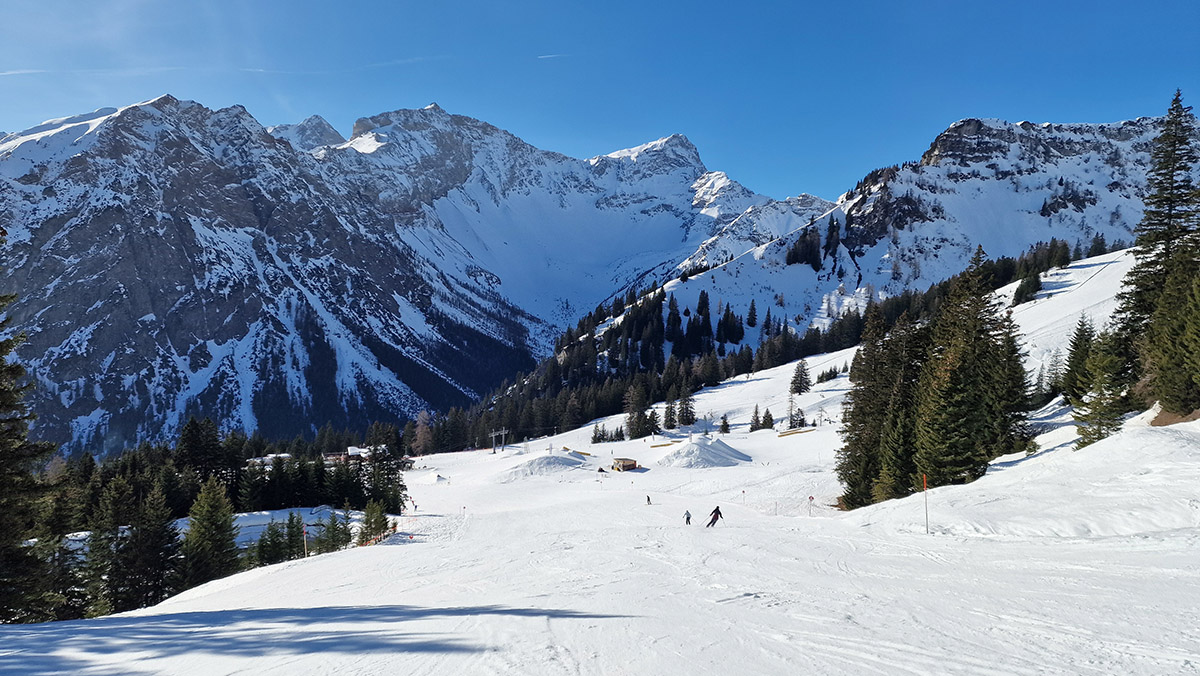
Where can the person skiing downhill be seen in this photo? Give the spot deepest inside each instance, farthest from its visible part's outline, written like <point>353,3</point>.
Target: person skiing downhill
<point>647,499</point>
<point>687,518</point>
<point>716,514</point>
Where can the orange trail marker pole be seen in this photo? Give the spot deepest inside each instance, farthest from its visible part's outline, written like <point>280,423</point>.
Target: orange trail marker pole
<point>925,490</point>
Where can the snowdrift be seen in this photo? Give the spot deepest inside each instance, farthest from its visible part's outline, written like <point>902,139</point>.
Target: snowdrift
<point>702,452</point>
<point>1140,482</point>
<point>543,466</point>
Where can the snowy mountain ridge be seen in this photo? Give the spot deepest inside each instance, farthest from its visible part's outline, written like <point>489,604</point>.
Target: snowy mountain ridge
<point>175,260</point>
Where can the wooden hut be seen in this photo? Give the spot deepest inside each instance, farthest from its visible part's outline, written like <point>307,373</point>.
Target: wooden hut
<point>623,464</point>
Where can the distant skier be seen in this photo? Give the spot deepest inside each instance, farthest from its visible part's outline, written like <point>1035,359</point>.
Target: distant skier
<point>687,518</point>
<point>647,499</point>
<point>716,514</point>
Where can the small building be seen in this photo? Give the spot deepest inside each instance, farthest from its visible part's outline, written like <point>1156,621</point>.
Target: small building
<point>624,464</point>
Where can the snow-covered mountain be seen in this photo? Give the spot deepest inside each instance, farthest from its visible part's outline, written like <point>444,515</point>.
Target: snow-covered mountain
<point>982,182</point>
<point>172,259</point>
<point>313,132</point>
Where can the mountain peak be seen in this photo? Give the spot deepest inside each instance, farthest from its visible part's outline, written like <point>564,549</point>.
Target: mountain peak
<point>409,119</point>
<point>666,154</point>
<point>311,133</point>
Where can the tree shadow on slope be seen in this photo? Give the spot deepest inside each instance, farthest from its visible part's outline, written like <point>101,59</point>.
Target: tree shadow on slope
<point>77,646</point>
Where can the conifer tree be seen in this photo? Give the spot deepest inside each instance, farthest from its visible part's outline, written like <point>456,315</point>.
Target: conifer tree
<point>907,345</point>
<point>755,420</point>
<point>724,429</point>
<point>295,536</point>
<point>1008,393</point>
<point>1098,414</point>
<point>1168,361</point>
<point>636,421</point>
<point>20,568</point>
<point>669,420</point>
<point>154,544</point>
<point>686,410</point>
<point>863,413</point>
<point>374,524</point>
<point>1170,218</point>
<point>210,546</point>
<point>801,382</point>
<point>1074,375</point>
<point>752,315</point>
<point>965,386</point>
<point>60,592</point>
<point>272,544</point>
<point>768,420</point>
<point>108,559</point>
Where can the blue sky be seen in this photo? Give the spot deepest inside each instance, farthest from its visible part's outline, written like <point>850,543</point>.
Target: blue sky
<point>786,97</point>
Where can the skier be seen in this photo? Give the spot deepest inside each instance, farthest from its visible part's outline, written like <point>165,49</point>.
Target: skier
<point>716,514</point>
<point>687,518</point>
<point>647,499</point>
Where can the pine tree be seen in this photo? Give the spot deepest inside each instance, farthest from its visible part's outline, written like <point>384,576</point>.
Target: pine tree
<point>636,422</point>
<point>724,429</point>
<point>154,543</point>
<point>768,421</point>
<point>801,382</point>
<point>272,545</point>
<point>20,568</point>
<point>374,524</point>
<point>963,411</point>
<point>295,533</point>
<point>200,448</point>
<point>1074,376</point>
<point>210,545</point>
<point>1008,394</point>
<point>755,420</point>
<point>1172,209</point>
<point>907,346</point>
<point>422,442</point>
<point>752,315</point>
<point>686,411</point>
<point>110,581</point>
<point>863,413</point>
<point>60,592</point>
<point>1098,414</point>
<point>669,420</point>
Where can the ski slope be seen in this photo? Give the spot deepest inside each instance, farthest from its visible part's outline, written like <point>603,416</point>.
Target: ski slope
<point>531,561</point>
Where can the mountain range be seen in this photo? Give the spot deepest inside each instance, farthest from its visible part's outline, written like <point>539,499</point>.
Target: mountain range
<point>173,260</point>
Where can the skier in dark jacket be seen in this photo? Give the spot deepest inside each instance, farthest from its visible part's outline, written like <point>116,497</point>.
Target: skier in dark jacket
<point>716,514</point>
<point>687,518</point>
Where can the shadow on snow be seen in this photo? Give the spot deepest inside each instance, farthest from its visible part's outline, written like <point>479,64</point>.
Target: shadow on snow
<point>65,647</point>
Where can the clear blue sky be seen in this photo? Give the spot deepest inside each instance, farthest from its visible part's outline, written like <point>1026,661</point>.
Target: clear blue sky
<point>786,97</point>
